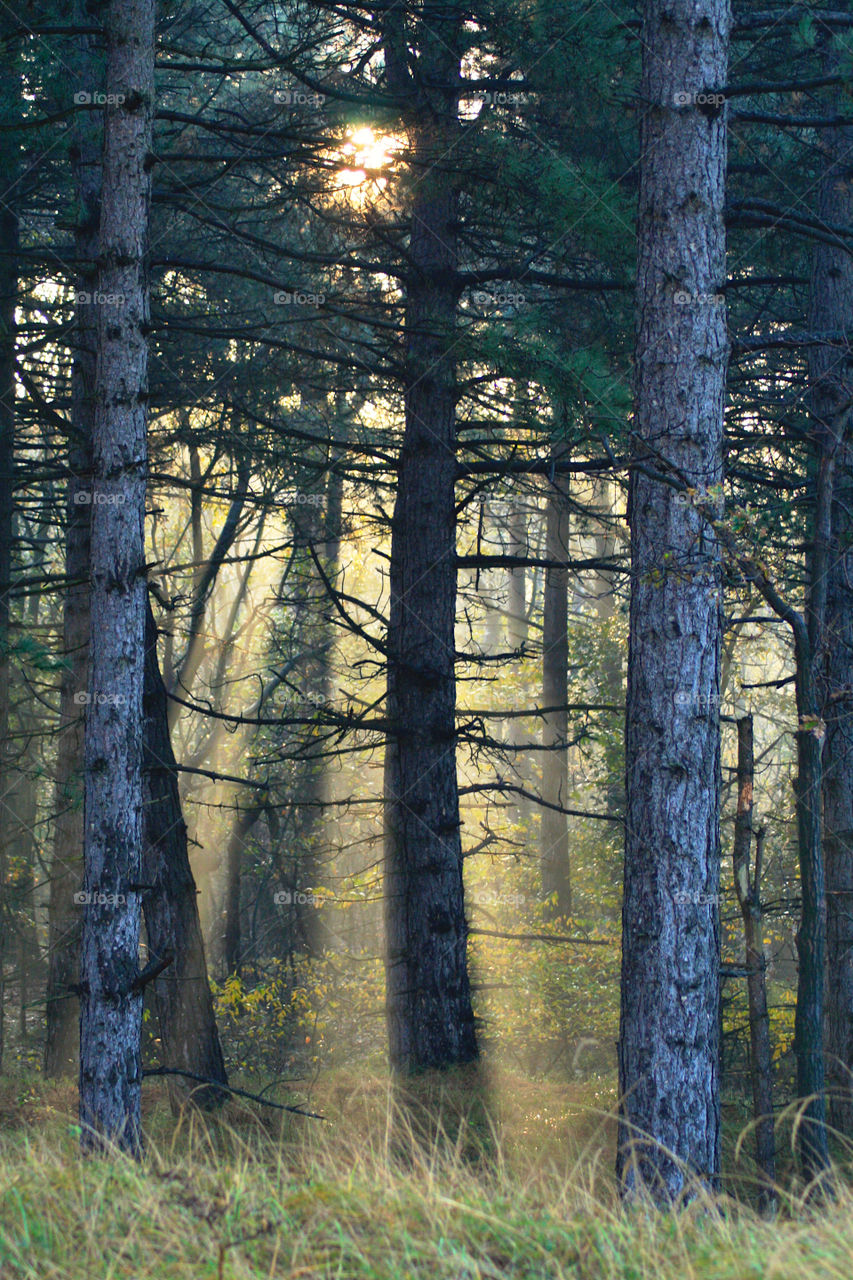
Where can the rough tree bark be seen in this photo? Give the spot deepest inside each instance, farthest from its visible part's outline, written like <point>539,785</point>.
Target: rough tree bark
<point>810,637</point>
<point>554,829</point>
<point>748,890</point>
<point>669,1132</point>
<point>61,1048</point>
<point>110,983</point>
<point>189,1040</point>
<point>812,1146</point>
<point>429,1011</point>
<point>831,389</point>
<point>8,302</point>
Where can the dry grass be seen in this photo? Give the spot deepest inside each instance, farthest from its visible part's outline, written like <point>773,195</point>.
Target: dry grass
<point>525,1193</point>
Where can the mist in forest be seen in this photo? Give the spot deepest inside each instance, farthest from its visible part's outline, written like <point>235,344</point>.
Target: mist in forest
<point>426,637</point>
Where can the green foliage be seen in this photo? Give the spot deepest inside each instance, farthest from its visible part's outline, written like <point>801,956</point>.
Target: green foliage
<point>302,1016</point>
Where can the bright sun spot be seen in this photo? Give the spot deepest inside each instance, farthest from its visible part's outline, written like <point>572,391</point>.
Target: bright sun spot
<point>367,154</point>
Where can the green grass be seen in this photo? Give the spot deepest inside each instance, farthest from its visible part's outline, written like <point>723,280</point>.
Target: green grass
<point>237,1198</point>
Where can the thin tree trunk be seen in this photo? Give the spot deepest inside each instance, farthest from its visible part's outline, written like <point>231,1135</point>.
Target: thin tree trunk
<point>24,800</point>
<point>20,803</point>
<point>812,1146</point>
<point>244,822</point>
<point>669,1132</point>
<point>110,983</point>
<point>612,684</point>
<point>204,582</point>
<point>808,1027</point>
<point>831,389</point>
<point>189,1040</point>
<point>9,285</point>
<point>554,832</point>
<point>8,302</point>
<point>519,545</point>
<point>811,1138</point>
<point>429,1011</point>
<point>317,532</point>
<point>748,890</point>
<point>308,522</point>
<point>61,1049</point>
<point>520,808</point>
<point>838,807</point>
<point>809,638</point>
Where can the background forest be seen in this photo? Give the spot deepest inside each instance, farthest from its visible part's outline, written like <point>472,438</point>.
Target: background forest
<point>346,503</point>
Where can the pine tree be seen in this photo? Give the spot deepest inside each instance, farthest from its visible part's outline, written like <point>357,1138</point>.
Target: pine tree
<point>669,1131</point>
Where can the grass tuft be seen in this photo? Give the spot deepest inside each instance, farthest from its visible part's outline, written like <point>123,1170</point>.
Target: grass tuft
<point>238,1198</point>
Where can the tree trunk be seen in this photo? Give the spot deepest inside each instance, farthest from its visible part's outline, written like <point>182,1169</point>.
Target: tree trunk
<point>316,533</point>
<point>748,890</point>
<point>110,985</point>
<point>204,583</point>
<point>429,1012</point>
<point>189,1040</point>
<point>520,808</point>
<point>8,302</point>
<point>810,639</point>
<point>61,1049</point>
<point>812,1146</point>
<point>20,806</point>
<point>556,872</point>
<point>838,807</point>
<point>831,388</point>
<point>244,822</point>
<point>9,284</point>
<point>669,1037</point>
<point>612,683</point>
<point>519,545</point>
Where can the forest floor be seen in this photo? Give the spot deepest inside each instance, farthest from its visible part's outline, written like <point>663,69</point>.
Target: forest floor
<point>238,1198</point>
